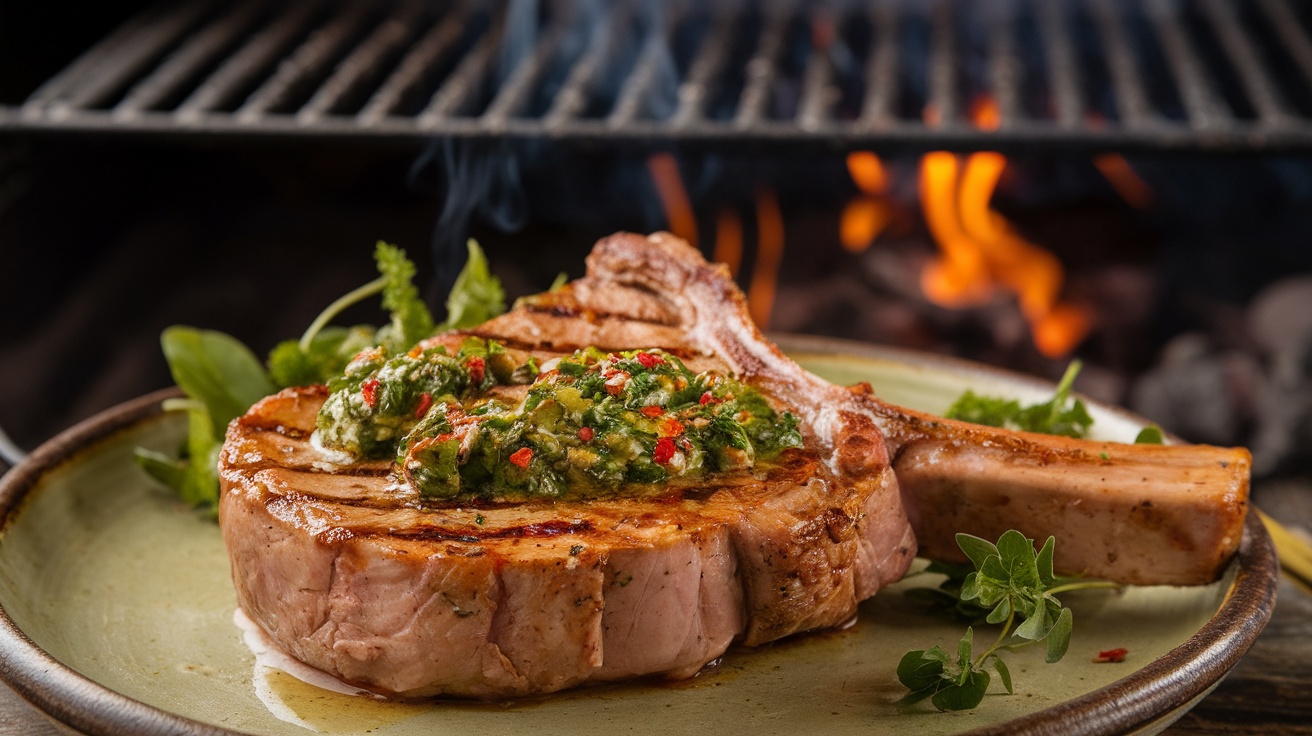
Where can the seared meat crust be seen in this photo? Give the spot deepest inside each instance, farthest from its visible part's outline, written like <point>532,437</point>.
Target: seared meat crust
<point>347,568</point>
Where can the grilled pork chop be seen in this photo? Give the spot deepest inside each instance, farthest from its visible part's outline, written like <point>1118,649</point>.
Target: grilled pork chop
<point>353,570</point>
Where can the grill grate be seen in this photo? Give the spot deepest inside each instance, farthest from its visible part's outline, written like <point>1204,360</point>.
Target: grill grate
<point>1190,75</point>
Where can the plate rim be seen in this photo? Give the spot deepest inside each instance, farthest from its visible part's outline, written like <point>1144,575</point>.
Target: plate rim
<point>1139,699</point>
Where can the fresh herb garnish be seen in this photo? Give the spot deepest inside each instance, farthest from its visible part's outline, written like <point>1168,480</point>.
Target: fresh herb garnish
<point>1017,587</point>
<point>1150,435</point>
<point>1060,415</point>
<point>476,296</point>
<point>222,377</point>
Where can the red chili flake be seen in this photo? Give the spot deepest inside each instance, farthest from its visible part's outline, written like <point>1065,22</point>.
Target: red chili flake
<point>522,457</point>
<point>425,401</point>
<point>652,411</point>
<point>671,427</point>
<point>650,361</point>
<point>1111,655</point>
<point>587,433</point>
<point>706,399</point>
<point>664,451</point>
<point>477,367</point>
<point>369,390</point>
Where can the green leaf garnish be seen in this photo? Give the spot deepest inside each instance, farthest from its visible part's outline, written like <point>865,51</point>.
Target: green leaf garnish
<point>1060,415</point>
<point>1015,584</point>
<point>222,378</point>
<point>1150,435</point>
<point>216,370</point>
<point>477,295</point>
<point>411,320</point>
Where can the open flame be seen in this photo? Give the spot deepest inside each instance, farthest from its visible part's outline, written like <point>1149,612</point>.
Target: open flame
<point>673,195</point>
<point>868,213</point>
<point>728,249</point>
<point>1128,184</point>
<point>979,250</point>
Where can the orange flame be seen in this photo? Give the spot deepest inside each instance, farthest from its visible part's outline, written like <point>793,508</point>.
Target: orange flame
<point>867,214</point>
<point>868,172</point>
<point>1128,184</point>
<point>682,221</point>
<point>674,197</point>
<point>979,250</point>
<point>769,255</point>
<point>729,240</point>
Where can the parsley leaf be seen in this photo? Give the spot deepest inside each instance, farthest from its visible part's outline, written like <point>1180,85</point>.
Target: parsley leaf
<point>222,378</point>
<point>476,296</point>
<point>323,352</point>
<point>411,320</point>
<point>1060,415</point>
<point>1150,435</point>
<point>1015,584</point>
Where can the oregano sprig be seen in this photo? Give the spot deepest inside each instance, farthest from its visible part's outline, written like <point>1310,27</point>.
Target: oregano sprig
<point>1018,588</point>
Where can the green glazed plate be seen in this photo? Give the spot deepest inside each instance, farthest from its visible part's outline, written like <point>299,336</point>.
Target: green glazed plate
<point>118,617</point>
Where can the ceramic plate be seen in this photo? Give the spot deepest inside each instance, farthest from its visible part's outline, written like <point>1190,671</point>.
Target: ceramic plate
<point>118,617</point>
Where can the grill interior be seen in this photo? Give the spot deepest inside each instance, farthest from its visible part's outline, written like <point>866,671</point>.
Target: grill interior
<point>1194,75</point>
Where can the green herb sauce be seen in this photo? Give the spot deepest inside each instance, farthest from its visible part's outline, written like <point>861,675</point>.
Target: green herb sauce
<point>592,425</point>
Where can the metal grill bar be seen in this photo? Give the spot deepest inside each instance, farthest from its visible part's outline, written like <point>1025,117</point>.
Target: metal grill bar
<point>515,92</point>
<point>1063,79</point>
<point>364,61</point>
<point>818,93</point>
<point>762,71</point>
<point>1286,26</point>
<point>1201,104</point>
<point>696,90</point>
<point>295,72</point>
<point>410,72</point>
<point>456,94</point>
<point>573,97</point>
<point>1004,67</point>
<point>1127,79</point>
<point>242,68</point>
<point>638,88</point>
<point>1257,82</point>
<point>1180,74</point>
<point>944,111</point>
<point>881,72</point>
<point>116,69</point>
<point>199,53</point>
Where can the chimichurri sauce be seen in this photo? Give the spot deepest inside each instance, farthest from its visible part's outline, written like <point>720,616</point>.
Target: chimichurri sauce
<point>591,424</point>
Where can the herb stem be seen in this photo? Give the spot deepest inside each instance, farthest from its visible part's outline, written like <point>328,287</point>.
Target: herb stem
<point>340,304</point>
<point>1082,585</point>
<point>181,404</point>
<point>1002,636</point>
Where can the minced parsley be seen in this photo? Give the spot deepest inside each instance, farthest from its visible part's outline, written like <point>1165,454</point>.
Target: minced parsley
<point>591,424</point>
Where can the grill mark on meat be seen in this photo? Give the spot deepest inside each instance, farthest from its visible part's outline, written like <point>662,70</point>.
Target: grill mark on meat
<point>540,530</point>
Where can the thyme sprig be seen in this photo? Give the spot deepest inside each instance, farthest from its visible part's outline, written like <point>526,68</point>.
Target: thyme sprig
<point>1018,588</point>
